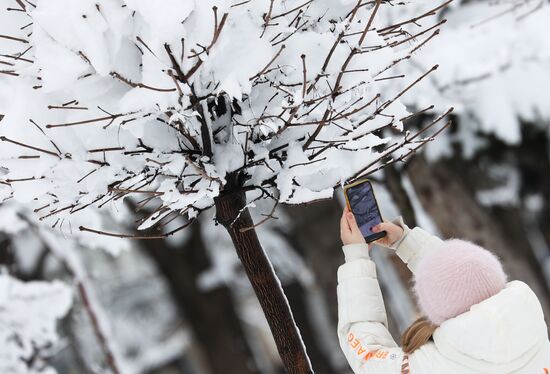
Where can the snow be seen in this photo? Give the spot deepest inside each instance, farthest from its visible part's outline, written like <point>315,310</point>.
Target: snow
<point>10,223</point>
<point>68,253</point>
<point>163,19</point>
<point>423,218</point>
<point>131,293</point>
<point>507,190</point>
<point>109,106</point>
<point>493,71</point>
<point>493,58</point>
<point>29,312</point>
<point>61,66</point>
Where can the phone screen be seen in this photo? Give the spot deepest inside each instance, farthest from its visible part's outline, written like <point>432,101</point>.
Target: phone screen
<point>365,209</point>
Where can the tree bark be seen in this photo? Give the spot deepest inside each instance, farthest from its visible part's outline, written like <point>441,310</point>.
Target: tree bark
<point>316,236</point>
<point>394,183</point>
<point>6,253</point>
<point>232,213</point>
<point>211,314</point>
<point>297,298</point>
<point>512,219</point>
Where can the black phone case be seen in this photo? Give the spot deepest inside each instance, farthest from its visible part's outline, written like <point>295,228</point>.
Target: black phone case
<point>374,237</point>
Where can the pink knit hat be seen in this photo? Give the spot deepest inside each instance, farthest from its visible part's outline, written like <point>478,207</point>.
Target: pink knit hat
<point>455,276</point>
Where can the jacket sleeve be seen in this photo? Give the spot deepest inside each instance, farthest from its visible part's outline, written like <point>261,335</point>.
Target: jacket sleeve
<point>414,244</point>
<point>362,321</point>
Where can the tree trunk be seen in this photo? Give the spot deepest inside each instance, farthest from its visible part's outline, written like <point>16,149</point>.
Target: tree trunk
<point>6,253</point>
<point>211,314</point>
<point>513,221</point>
<point>232,213</point>
<point>394,183</point>
<point>297,298</point>
<point>315,234</point>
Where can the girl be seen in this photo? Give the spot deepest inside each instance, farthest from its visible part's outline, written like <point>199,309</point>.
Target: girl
<point>474,321</point>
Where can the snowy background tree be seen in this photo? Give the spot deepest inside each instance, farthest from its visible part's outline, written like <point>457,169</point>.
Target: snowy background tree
<point>122,112</point>
<point>28,317</point>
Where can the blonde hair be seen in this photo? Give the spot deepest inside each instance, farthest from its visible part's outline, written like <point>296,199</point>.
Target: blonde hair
<point>418,334</point>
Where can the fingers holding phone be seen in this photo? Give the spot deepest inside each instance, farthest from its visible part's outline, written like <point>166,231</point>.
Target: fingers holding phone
<point>362,203</point>
<point>351,234</point>
<point>393,233</point>
<point>349,230</point>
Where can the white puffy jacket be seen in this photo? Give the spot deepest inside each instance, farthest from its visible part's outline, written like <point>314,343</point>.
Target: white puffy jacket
<point>503,334</point>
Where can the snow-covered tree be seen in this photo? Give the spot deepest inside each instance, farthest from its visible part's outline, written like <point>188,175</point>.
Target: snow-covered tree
<point>494,59</point>
<point>186,105</point>
<point>501,95</point>
<point>25,248</point>
<point>28,318</point>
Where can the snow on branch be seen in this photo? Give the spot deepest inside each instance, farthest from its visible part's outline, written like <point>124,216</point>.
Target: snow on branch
<point>29,312</point>
<point>17,221</point>
<point>494,62</point>
<point>172,103</point>
<point>66,252</point>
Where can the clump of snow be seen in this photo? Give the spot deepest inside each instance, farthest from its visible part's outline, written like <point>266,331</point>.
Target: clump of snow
<point>493,58</point>
<point>534,203</point>
<point>507,191</point>
<point>29,312</point>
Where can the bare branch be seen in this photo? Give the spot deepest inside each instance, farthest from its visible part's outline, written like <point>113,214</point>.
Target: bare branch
<point>4,139</point>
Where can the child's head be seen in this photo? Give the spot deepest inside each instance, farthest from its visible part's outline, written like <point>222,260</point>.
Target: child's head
<point>455,276</point>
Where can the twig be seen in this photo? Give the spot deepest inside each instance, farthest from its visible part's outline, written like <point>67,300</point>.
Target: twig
<point>116,75</point>
<point>110,118</point>
<point>268,64</point>
<point>336,88</point>
<point>137,237</point>
<point>214,40</point>
<point>14,39</point>
<point>292,10</point>
<point>430,12</point>
<point>4,139</point>
<point>267,217</point>
<point>398,146</point>
<point>267,18</point>
<point>303,57</point>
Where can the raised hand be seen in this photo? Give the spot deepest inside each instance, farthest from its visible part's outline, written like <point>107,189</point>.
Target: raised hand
<point>349,231</point>
<point>393,233</point>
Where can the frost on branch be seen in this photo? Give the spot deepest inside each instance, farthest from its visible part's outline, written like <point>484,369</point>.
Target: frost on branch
<point>28,316</point>
<point>492,55</point>
<point>172,102</point>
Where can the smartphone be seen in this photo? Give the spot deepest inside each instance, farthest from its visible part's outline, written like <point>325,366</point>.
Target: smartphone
<point>362,203</point>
